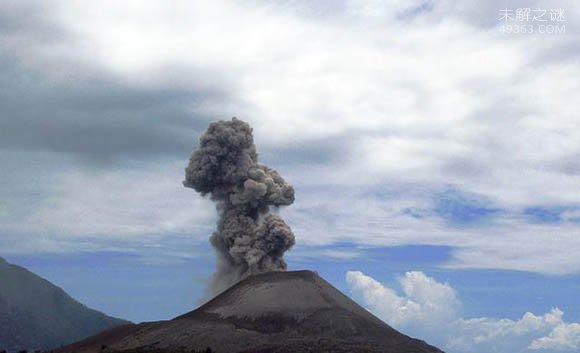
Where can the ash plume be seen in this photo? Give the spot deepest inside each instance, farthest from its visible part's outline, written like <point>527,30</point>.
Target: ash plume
<point>248,239</point>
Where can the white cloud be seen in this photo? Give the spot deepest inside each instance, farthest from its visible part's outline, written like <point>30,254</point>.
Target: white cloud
<point>404,87</point>
<point>381,216</point>
<point>428,309</point>
<point>571,214</point>
<point>425,300</point>
<point>123,203</point>
<point>137,206</point>
<point>563,337</point>
<point>503,335</point>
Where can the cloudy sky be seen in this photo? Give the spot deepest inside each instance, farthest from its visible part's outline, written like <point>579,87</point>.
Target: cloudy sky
<point>435,153</point>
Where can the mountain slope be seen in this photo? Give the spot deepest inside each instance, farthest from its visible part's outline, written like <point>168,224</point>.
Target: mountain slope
<point>274,312</point>
<point>35,314</point>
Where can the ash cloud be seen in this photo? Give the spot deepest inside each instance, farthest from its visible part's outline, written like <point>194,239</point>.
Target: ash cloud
<point>248,239</point>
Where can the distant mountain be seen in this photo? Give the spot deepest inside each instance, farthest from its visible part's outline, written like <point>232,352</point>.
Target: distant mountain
<point>276,312</point>
<point>35,314</point>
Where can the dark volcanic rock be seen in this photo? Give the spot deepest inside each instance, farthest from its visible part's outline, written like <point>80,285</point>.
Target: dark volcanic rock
<point>35,314</point>
<point>276,312</point>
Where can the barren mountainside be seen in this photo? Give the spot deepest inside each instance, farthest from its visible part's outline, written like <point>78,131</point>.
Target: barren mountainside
<point>35,314</point>
<point>273,312</point>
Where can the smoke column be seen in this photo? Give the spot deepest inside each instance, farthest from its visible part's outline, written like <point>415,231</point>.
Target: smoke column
<point>248,239</point>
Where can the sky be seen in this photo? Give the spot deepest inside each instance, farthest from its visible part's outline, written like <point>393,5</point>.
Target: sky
<point>434,149</point>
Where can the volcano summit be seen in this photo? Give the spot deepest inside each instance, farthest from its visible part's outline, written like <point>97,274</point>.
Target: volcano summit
<point>275,312</point>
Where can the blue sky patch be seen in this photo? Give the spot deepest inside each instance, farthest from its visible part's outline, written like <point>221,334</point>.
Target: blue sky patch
<point>463,209</point>
<point>546,214</point>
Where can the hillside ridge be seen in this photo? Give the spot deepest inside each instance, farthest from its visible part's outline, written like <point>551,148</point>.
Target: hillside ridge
<point>35,314</point>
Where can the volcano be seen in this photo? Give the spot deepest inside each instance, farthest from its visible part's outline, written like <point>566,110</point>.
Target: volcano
<point>275,312</point>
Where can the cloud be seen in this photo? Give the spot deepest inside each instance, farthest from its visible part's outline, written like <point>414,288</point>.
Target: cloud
<point>563,337</point>
<point>424,300</point>
<point>131,208</point>
<point>97,118</point>
<point>429,309</point>
<point>402,214</point>
<point>56,96</point>
<point>386,101</point>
